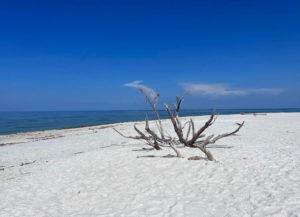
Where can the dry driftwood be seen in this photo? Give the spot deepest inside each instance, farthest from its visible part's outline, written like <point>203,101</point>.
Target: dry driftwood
<point>192,137</point>
<point>26,163</point>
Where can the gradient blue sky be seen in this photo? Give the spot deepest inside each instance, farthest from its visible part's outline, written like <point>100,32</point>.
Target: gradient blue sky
<point>77,55</point>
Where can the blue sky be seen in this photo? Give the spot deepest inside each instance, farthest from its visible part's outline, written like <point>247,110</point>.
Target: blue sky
<point>77,55</point>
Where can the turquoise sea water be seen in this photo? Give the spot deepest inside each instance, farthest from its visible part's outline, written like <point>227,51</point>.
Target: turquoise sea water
<point>16,122</point>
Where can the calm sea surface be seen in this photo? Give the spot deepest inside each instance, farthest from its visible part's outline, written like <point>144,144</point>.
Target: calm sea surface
<point>16,122</point>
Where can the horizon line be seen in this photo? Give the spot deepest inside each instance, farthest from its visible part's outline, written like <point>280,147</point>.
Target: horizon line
<point>106,110</point>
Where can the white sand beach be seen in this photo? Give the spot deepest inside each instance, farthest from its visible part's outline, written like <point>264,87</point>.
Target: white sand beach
<point>93,171</point>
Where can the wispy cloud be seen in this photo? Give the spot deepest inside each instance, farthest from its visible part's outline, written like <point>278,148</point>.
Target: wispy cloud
<point>221,89</point>
<point>267,90</point>
<point>137,84</point>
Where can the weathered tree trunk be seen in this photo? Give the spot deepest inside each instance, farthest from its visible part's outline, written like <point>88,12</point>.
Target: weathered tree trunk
<point>178,154</point>
<point>207,153</point>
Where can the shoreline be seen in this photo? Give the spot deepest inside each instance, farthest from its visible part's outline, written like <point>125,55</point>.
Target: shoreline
<point>32,136</point>
<point>32,123</point>
<point>134,121</point>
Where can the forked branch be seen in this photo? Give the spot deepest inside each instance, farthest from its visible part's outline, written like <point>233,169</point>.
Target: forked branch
<point>153,106</point>
<point>197,135</point>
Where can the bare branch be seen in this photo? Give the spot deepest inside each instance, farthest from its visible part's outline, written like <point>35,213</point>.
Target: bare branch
<point>193,126</point>
<point>147,128</point>
<point>179,102</point>
<point>207,153</point>
<point>187,122</point>
<point>202,147</point>
<point>201,130</point>
<point>153,105</point>
<point>216,117</point>
<point>129,137</point>
<point>227,134</point>
<point>178,154</point>
<point>188,132</point>
<point>178,122</point>
<point>153,144</point>
<point>175,125</point>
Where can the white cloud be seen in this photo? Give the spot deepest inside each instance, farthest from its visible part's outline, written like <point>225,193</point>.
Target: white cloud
<point>137,84</point>
<point>221,90</point>
<point>267,90</point>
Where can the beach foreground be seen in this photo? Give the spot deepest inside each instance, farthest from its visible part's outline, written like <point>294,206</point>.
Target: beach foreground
<point>93,171</point>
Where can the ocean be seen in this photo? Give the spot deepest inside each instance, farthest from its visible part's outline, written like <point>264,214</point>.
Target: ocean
<point>17,122</point>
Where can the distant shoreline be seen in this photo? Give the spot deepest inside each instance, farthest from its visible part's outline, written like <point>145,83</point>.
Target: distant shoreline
<point>38,135</point>
<point>20,122</point>
<point>120,110</point>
